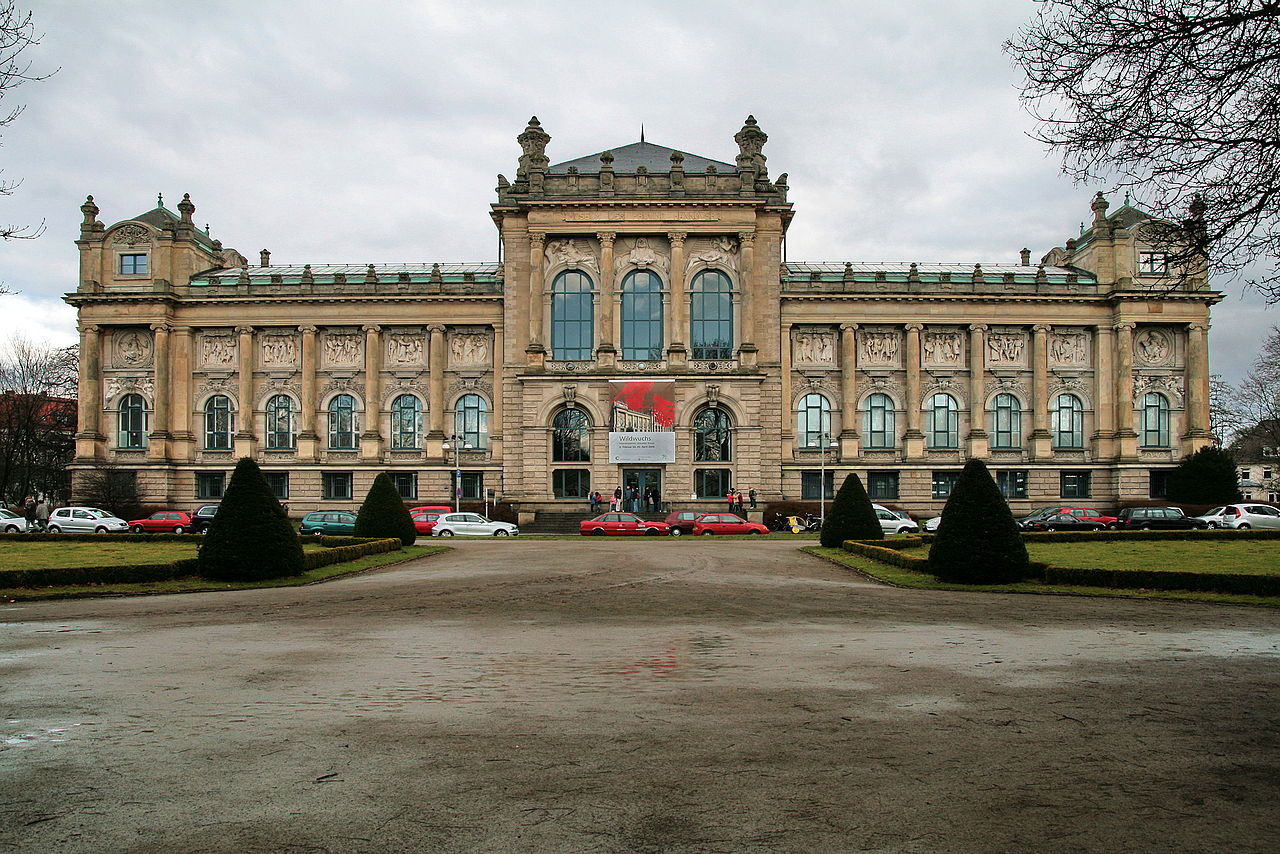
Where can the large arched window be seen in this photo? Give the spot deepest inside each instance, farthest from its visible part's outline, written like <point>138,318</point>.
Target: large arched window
<point>573,309</point>
<point>571,437</point>
<point>642,316</point>
<point>1006,422</point>
<point>406,423</point>
<point>471,420</point>
<point>1068,422</point>
<point>944,421</point>
<point>133,421</point>
<point>1155,420</point>
<point>281,424</point>
<point>711,316</point>
<point>879,428</point>
<point>344,431</point>
<point>813,421</point>
<point>218,423</point>
<point>712,436</point>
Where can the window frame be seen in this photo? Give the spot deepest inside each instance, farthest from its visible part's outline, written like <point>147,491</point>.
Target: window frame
<point>471,420</point>
<point>399,479</point>
<point>131,422</point>
<point>1068,407</point>
<point>571,436</point>
<point>561,476</point>
<point>216,439</point>
<point>886,436</point>
<point>344,422</point>
<point>711,315</point>
<point>809,488</point>
<point>942,483</point>
<point>406,422</point>
<point>1006,422</point>
<point>811,403</point>
<point>878,483</point>
<point>1075,484</point>
<point>712,435</point>
<point>130,259</point>
<point>944,407</point>
<point>573,308</point>
<point>281,423</point>
<point>634,301</point>
<point>723,478</point>
<point>1155,405</point>
<point>1012,483</point>
<point>278,483</point>
<point>205,479</point>
<point>331,479</point>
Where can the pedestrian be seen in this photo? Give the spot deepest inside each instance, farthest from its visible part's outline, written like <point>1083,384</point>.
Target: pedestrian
<point>751,494</point>
<point>42,514</point>
<point>615,504</point>
<point>29,510</point>
<point>733,502</point>
<point>594,501</point>
<point>738,498</point>
<point>657,500</point>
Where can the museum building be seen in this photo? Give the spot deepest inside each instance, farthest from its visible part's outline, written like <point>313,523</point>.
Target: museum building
<point>641,327</point>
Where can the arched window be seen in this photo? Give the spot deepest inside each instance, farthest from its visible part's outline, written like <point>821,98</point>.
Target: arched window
<point>642,316</point>
<point>1006,422</point>
<point>133,421</point>
<point>1155,420</point>
<point>944,421</point>
<point>344,432</point>
<point>712,436</point>
<point>281,429</point>
<point>813,421</point>
<point>218,423</point>
<point>471,420</point>
<point>878,422</point>
<point>573,309</point>
<point>711,316</point>
<point>1068,422</point>
<point>571,437</point>
<point>406,422</point>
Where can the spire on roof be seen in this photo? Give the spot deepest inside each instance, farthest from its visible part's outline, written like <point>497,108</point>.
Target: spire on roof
<point>642,133</point>
<point>159,200</point>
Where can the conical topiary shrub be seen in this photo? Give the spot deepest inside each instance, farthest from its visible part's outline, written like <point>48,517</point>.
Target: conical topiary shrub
<point>978,542</point>
<point>250,538</point>
<point>383,513</point>
<point>851,516</point>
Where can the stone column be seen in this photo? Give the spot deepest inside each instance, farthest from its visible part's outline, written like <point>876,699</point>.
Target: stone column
<point>787,439</point>
<point>747,330</point>
<point>1126,436</point>
<point>181,399</point>
<point>678,325</point>
<point>1041,438</point>
<point>914,437</point>
<point>1196,410</point>
<point>371,436</point>
<point>245,438</point>
<point>1104,406</point>
<point>435,386</point>
<point>979,440</point>
<point>499,411</point>
<point>849,435</point>
<point>158,437</point>
<point>536,351</point>
<point>88,435</point>
<point>606,350</point>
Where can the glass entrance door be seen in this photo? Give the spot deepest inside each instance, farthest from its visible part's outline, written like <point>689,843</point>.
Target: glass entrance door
<point>647,483</point>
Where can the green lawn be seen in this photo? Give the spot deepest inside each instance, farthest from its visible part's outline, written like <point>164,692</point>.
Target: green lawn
<point>60,554</point>
<point>1252,557</point>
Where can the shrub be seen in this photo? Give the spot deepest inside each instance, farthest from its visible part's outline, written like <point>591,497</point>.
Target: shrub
<point>1206,477</point>
<point>851,516</point>
<point>383,513</point>
<point>250,538</point>
<point>978,542</point>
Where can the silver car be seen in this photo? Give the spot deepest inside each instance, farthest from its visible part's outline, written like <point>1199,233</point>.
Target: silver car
<point>1243,516</point>
<point>84,520</point>
<point>12,523</point>
<point>471,524</point>
<point>892,522</point>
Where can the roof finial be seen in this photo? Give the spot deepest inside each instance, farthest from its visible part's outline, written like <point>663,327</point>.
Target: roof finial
<point>159,200</point>
<point>1126,198</point>
<point>642,133</point>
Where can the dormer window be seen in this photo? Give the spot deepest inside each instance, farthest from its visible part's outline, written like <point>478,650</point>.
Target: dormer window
<point>1153,263</point>
<point>133,264</point>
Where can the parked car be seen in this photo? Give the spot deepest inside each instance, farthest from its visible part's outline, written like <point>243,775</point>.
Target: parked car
<point>1243,516</point>
<point>1156,518</point>
<point>335,523</point>
<point>1063,522</point>
<point>1091,514</point>
<point>621,525</point>
<point>725,523</point>
<point>203,517</point>
<point>175,521</point>
<point>12,522</point>
<point>431,508</point>
<point>471,524</point>
<point>84,520</point>
<point>893,522</point>
<point>681,522</point>
<point>424,522</point>
<point>931,525</point>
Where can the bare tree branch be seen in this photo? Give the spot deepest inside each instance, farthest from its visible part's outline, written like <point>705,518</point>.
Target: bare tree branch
<point>17,36</point>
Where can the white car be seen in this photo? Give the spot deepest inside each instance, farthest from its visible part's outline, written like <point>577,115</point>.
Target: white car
<point>471,524</point>
<point>892,522</point>
<point>1242,516</point>
<point>12,523</point>
<point>931,525</point>
<point>86,520</point>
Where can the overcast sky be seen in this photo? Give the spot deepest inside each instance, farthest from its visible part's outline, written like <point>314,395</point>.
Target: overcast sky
<point>374,132</point>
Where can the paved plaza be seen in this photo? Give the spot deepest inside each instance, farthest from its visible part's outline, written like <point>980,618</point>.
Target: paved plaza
<point>652,696</point>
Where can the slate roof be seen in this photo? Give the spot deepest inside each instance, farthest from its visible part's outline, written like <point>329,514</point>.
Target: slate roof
<point>158,216</point>
<point>654,158</point>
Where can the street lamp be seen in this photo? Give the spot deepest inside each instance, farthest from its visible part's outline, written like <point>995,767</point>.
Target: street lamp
<point>824,441</point>
<point>457,443</point>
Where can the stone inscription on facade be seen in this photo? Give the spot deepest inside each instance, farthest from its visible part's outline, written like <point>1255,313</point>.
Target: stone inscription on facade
<point>1006,348</point>
<point>342,349</point>
<point>942,348</point>
<point>279,350</point>
<point>217,351</point>
<point>1069,348</point>
<point>469,349</point>
<point>814,347</point>
<point>880,347</point>
<point>405,348</point>
<point>1153,347</point>
<point>133,348</point>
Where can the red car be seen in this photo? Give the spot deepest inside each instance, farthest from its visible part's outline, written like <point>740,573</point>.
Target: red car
<point>430,508</point>
<point>173,521</point>
<point>726,523</point>
<point>425,521</point>
<point>621,524</point>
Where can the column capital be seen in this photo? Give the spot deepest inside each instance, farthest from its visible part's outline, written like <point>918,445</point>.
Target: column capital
<point>848,327</point>
<point>161,327</point>
<point>1041,329</point>
<point>308,330</point>
<point>244,330</point>
<point>913,327</point>
<point>606,237</point>
<point>371,328</point>
<point>978,327</point>
<point>91,329</point>
<point>1124,327</point>
<point>1198,326</point>
<point>747,237</point>
<point>677,237</point>
<point>436,328</point>
<point>537,238</point>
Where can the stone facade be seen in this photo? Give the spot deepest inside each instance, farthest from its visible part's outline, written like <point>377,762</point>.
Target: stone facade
<point>1085,375</point>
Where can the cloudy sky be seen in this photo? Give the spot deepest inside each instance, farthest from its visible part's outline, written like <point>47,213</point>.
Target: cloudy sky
<point>374,131</point>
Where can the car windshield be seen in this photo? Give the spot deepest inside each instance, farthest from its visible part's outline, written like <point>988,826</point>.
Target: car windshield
<point>101,514</point>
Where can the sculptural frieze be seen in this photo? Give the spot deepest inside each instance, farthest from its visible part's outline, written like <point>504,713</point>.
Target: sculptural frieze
<point>1171,387</point>
<point>642,254</point>
<point>469,349</point>
<point>133,348</point>
<point>279,350</point>
<point>405,348</point>
<point>571,253</point>
<point>942,347</point>
<point>116,386</point>
<point>880,347</point>
<point>217,350</point>
<point>1006,348</point>
<point>720,252</point>
<point>1069,347</point>
<point>1153,346</point>
<point>342,349</point>
<point>813,347</point>
<point>131,235</point>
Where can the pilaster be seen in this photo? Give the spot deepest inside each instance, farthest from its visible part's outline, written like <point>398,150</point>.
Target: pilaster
<point>849,436</point>
<point>435,406</point>
<point>978,440</point>
<point>1104,406</point>
<point>1196,409</point>
<point>89,438</point>
<point>371,437</point>
<point>308,440</point>
<point>748,287</point>
<point>677,354</point>
<point>536,352</point>
<point>913,439</point>
<point>181,400</point>
<point>1126,436</point>
<point>245,439</point>
<point>158,438</point>
<point>606,350</point>
<point>1041,438</point>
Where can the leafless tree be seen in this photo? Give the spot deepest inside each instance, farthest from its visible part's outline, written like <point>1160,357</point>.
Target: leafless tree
<point>1256,401</point>
<point>37,419</point>
<point>1178,100</point>
<point>17,36</point>
<point>1225,421</point>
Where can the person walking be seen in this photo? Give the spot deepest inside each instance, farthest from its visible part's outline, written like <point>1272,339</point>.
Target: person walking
<point>729,497</point>
<point>42,514</point>
<point>593,502</point>
<point>29,510</point>
<point>738,498</point>
<point>616,504</point>
<point>751,494</point>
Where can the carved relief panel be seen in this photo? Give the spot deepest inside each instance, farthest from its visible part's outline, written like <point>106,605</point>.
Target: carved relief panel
<point>1007,348</point>
<point>113,387</point>
<point>813,346</point>
<point>217,350</point>
<point>942,347</point>
<point>278,350</point>
<point>576,253</point>
<point>406,347</point>
<point>880,348</point>
<point>719,252</point>
<point>1170,387</point>
<point>641,253</point>
<point>342,349</point>
<point>1069,348</point>
<point>1153,346</point>
<point>469,348</point>
<point>130,235</point>
<point>132,348</point>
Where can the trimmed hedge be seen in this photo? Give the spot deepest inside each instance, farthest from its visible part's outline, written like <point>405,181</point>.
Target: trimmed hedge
<point>97,538</point>
<point>1125,536</point>
<point>383,513</point>
<point>883,554</point>
<point>851,516</point>
<point>344,553</point>
<point>1255,585</point>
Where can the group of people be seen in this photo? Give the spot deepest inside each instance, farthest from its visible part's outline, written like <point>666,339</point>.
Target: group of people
<point>629,499</point>
<point>737,504</point>
<point>37,513</point>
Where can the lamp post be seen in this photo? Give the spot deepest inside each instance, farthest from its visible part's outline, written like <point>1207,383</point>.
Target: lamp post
<point>824,441</point>
<point>456,443</point>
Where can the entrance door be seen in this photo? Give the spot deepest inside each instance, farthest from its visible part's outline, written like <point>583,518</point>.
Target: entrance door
<point>643,480</point>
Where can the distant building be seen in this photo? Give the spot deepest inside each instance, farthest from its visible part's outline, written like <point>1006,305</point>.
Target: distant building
<point>37,443</point>
<point>1084,376</point>
<point>1257,454</point>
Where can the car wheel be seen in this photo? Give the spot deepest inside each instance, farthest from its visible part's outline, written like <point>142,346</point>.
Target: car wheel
<point>137,529</point>
<point>54,529</point>
<point>99,530</point>
<point>11,529</point>
<point>676,532</point>
<point>1243,526</point>
<point>651,532</point>
<point>753,532</point>
<point>177,529</point>
<point>708,533</point>
<point>502,533</point>
<point>446,533</point>
<point>598,532</point>
<point>1144,527</point>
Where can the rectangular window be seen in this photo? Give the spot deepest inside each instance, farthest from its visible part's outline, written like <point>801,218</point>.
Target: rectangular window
<point>406,483</point>
<point>133,265</point>
<point>943,481</point>
<point>711,483</point>
<point>279,483</point>
<point>473,485</point>
<point>882,485</point>
<point>570,483</point>
<point>210,484</point>
<point>809,485</point>
<point>1013,484</point>
<point>1075,484</point>
<point>335,485</point>
<point>1153,263</point>
<point>1158,483</point>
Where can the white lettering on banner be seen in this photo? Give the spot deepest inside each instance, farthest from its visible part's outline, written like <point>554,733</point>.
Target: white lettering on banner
<point>642,447</point>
